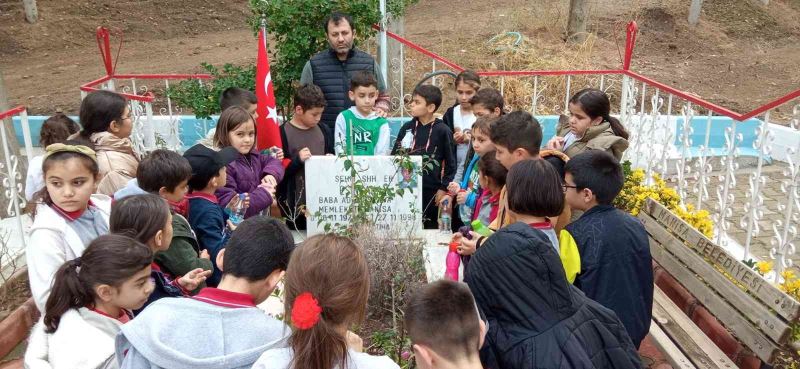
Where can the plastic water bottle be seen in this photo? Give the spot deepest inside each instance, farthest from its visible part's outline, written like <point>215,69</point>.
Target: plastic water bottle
<point>237,216</point>
<point>464,211</point>
<point>452,262</point>
<point>444,218</point>
<point>481,229</point>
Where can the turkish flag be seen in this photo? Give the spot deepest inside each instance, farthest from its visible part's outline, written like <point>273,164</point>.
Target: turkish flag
<point>267,123</point>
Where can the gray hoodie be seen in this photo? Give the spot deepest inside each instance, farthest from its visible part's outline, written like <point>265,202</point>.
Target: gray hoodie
<point>187,333</point>
<point>131,188</point>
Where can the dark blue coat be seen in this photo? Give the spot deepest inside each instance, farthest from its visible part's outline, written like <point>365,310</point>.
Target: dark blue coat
<point>208,221</point>
<point>536,318</point>
<point>616,266</point>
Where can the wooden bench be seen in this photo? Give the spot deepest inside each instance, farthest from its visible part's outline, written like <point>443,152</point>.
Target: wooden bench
<point>757,313</point>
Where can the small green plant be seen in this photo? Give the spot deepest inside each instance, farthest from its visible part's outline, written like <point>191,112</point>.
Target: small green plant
<point>203,96</point>
<point>366,202</point>
<point>393,344</point>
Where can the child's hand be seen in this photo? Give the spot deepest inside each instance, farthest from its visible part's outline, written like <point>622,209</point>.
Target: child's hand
<point>354,342</point>
<point>194,278</point>
<point>441,196</point>
<point>278,153</point>
<point>458,137</point>
<point>453,187</point>
<point>468,247</point>
<point>381,112</point>
<point>269,188</point>
<point>269,179</point>
<point>204,255</point>
<point>304,154</point>
<point>556,143</point>
<point>461,197</point>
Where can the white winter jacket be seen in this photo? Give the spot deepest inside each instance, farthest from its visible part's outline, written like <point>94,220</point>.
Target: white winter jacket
<point>52,243</point>
<point>84,339</point>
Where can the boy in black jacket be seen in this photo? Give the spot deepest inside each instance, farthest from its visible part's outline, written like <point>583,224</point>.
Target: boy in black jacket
<point>616,268</point>
<point>302,137</point>
<point>429,136</point>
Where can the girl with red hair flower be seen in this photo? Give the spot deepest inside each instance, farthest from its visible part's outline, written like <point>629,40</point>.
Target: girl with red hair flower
<point>327,287</point>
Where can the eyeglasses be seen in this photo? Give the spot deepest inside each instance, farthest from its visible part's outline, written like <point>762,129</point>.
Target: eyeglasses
<point>566,186</point>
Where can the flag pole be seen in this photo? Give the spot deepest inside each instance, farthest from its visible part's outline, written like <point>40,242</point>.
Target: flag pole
<point>264,28</point>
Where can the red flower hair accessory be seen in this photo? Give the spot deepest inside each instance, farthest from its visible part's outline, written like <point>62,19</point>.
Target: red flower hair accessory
<point>305,311</point>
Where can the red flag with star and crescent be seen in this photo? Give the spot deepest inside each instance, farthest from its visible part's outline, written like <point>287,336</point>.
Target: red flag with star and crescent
<point>267,122</point>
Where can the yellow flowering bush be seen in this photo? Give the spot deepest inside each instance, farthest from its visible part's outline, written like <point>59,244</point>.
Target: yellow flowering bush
<point>763,267</point>
<point>635,192</point>
<point>790,283</point>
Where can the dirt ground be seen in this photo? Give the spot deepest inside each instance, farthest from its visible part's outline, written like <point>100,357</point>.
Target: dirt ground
<point>741,55</point>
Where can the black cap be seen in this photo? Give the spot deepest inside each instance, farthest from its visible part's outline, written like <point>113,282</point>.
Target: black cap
<point>206,162</point>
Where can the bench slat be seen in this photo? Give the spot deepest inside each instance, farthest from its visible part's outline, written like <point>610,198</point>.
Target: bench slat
<point>762,346</point>
<point>749,306</point>
<point>673,354</point>
<point>770,295</point>
<point>696,346</point>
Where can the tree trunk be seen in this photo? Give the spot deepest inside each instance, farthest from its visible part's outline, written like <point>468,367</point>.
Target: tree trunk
<point>694,12</point>
<point>578,18</point>
<point>393,84</point>
<point>31,12</point>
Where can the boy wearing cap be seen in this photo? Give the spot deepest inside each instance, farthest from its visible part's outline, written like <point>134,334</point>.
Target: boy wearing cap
<point>206,216</point>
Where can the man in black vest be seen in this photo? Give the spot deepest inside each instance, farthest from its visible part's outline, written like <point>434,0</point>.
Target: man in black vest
<point>331,69</point>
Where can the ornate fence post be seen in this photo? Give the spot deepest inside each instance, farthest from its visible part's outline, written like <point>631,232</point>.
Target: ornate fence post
<point>728,181</point>
<point>12,181</point>
<point>755,199</point>
<point>785,230</point>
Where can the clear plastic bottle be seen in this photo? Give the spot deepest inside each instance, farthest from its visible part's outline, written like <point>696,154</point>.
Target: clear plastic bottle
<point>465,212</point>
<point>237,215</point>
<point>444,217</point>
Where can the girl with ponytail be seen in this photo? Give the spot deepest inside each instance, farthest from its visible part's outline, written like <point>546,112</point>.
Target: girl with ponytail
<point>91,298</point>
<point>326,290</point>
<point>589,126</point>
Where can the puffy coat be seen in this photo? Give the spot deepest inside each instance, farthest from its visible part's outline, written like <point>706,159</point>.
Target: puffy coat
<point>599,137</point>
<point>333,78</point>
<point>536,318</point>
<point>116,159</point>
<point>244,175</point>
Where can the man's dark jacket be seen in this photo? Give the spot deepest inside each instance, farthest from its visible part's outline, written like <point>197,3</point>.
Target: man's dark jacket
<point>536,318</point>
<point>333,77</point>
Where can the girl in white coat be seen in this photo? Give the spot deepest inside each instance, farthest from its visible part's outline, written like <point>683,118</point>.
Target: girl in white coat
<point>91,298</point>
<point>66,214</point>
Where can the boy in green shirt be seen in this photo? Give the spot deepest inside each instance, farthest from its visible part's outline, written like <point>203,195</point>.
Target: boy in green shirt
<point>359,130</point>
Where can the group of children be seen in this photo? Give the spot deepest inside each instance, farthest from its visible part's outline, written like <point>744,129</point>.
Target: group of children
<point>181,243</point>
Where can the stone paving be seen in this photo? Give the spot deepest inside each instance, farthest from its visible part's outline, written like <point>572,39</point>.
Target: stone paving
<point>771,191</point>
